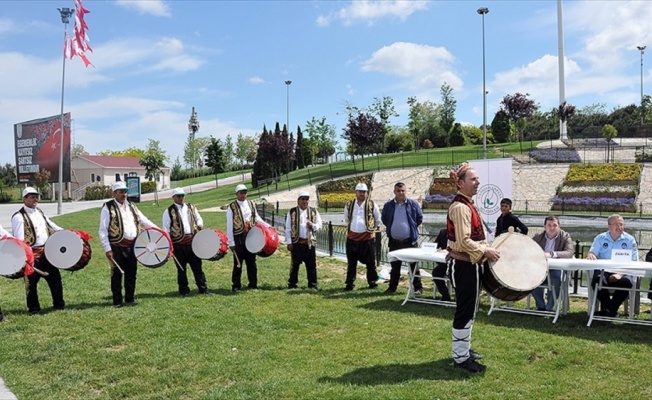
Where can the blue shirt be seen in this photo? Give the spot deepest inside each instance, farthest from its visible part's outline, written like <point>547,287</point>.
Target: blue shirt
<point>603,244</point>
<point>414,217</point>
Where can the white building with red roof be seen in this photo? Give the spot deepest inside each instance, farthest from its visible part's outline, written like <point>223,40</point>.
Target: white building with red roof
<point>105,170</point>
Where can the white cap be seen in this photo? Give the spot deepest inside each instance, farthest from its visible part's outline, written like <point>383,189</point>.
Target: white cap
<point>118,186</point>
<point>303,194</point>
<point>29,190</point>
<point>361,187</point>
<point>178,192</point>
<point>240,188</point>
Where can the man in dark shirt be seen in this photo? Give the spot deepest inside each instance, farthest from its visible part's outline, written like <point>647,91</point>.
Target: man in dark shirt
<point>508,219</point>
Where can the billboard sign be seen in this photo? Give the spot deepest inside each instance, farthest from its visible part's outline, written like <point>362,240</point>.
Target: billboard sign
<point>37,143</point>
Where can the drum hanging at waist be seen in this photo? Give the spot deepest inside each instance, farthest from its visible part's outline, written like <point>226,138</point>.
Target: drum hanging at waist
<point>69,250</point>
<point>262,240</point>
<point>521,268</point>
<point>210,244</point>
<point>15,256</point>
<point>152,247</point>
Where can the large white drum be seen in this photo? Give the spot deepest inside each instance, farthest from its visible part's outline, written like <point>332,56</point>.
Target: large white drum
<point>15,255</point>
<point>521,268</point>
<point>210,244</point>
<point>67,250</point>
<point>152,247</point>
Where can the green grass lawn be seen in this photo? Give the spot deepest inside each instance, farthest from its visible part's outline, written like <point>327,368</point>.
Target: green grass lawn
<point>275,343</point>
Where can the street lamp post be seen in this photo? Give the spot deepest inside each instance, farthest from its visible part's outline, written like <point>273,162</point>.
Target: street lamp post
<point>287,118</point>
<point>193,127</point>
<point>642,50</point>
<point>65,18</point>
<point>482,11</point>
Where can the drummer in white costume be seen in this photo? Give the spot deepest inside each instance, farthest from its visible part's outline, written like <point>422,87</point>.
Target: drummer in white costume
<point>120,223</point>
<point>182,221</point>
<point>3,233</point>
<point>31,225</point>
<point>241,216</point>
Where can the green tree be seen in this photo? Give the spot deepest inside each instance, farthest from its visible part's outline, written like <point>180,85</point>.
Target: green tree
<point>501,127</point>
<point>424,122</point>
<point>447,110</point>
<point>42,182</point>
<point>609,132</point>
<point>519,108</point>
<point>457,135</point>
<point>78,150</point>
<point>129,152</point>
<point>246,149</point>
<point>176,172</point>
<point>321,139</point>
<point>215,159</point>
<point>229,152</point>
<point>8,176</point>
<point>398,139</point>
<point>153,161</point>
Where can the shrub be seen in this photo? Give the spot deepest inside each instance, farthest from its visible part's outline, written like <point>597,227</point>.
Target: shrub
<point>344,185</point>
<point>147,187</point>
<point>97,192</point>
<point>643,155</point>
<point>555,155</point>
<point>6,197</point>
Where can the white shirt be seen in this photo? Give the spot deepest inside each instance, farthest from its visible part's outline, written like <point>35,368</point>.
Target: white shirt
<point>40,226</point>
<point>129,227</point>
<point>184,212</point>
<point>358,222</point>
<point>4,232</point>
<point>303,227</point>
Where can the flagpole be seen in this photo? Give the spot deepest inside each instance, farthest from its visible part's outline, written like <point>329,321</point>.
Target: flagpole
<point>65,18</point>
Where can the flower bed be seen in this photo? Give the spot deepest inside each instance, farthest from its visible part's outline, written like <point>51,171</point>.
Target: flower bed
<point>338,193</point>
<point>603,188</point>
<point>555,155</point>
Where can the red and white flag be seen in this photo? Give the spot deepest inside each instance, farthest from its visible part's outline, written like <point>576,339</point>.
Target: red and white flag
<point>77,45</point>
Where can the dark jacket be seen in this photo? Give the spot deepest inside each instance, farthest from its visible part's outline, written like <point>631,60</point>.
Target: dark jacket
<point>505,221</point>
<point>564,247</point>
<point>414,216</point>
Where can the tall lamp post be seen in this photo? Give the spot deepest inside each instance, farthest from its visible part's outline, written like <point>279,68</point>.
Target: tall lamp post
<point>193,127</point>
<point>482,11</point>
<point>642,50</point>
<point>65,18</point>
<point>287,117</point>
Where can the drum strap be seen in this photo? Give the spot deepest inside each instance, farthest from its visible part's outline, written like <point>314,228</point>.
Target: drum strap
<point>124,243</point>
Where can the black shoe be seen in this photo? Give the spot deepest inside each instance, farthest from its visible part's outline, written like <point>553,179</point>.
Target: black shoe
<point>417,292</point>
<point>348,288</point>
<point>373,285</point>
<point>475,356</point>
<point>606,313</point>
<point>131,303</point>
<point>235,289</point>
<point>253,287</point>
<point>204,291</point>
<point>390,291</point>
<point>446,298</point>
<point>184,294</point>
<point>34,312</point>
<point>293,287</point>
<point>316,288</point>
<point>117,305</point>
<point>541,309</point>
<point>471,366</point>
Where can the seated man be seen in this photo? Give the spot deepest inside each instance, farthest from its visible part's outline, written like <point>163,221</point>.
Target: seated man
<point>557,244</point>
<point>440,269</point>
<point>603,245</point>
<point>508,219</point>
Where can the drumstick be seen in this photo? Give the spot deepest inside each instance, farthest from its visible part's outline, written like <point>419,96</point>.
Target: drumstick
<point>178,264</point>
<point>237,259</point>
<point>40,272</point>
<point>117,266</point>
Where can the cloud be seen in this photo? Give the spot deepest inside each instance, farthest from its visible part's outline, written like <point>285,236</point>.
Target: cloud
<point>256,80</point>
<point>158,8</point>
<point>7,25</point>
<point>371,10</point>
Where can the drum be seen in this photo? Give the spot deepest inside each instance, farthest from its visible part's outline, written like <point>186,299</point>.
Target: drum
<point>262,240</point>
<point>153,247</point>
<point>210,244</point>
<point>521,268</point>
<point>68,250</point>
<point>16,257</point>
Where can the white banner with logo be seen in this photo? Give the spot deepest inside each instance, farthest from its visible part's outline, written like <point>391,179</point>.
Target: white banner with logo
<point>495,184</point>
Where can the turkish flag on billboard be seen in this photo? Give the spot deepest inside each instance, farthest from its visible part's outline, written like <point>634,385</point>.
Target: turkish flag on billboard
<point>38,144</point>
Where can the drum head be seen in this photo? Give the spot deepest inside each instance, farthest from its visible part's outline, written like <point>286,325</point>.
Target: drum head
<point>206,244</point>
<point>255,240</point>
<point>522,265</point>
<point>152,247</point>
<point>13,257</point>
<point>64,249</point>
